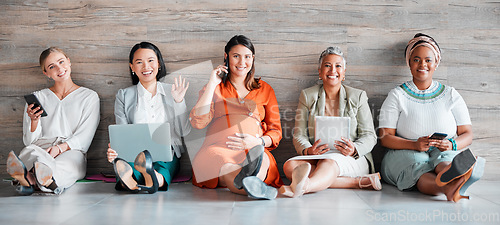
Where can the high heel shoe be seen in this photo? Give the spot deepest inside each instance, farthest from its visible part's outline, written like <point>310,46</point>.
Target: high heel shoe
<point>457,195</point>
<point>374,182</point>
<point>477,173</point>
<point>251,165</point>
<point>144,164</point>
<point>124,179</point>
<point>17,170</point>
<point>461,164</point>
<point>43,175</point>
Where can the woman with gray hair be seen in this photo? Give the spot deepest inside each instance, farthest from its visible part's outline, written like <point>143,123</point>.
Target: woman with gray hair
<point>348,163</point>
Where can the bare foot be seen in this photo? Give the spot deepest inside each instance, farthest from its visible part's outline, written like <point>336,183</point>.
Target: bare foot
<point>300,179</point>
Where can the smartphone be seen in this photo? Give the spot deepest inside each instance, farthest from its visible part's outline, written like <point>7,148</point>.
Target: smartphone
<point>31,99</point>
<point>438,136</point>
<point>223,75</point>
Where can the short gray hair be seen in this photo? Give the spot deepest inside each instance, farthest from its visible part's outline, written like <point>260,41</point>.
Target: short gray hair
<point>331,51</point>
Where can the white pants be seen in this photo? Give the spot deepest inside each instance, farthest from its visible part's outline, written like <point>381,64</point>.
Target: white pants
<point>67,168</point>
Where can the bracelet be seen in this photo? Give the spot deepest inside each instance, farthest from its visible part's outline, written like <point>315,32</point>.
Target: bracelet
<point>304,153</point>
<point>453,144</point>
<point>263,142</point>
<point>60,149</point>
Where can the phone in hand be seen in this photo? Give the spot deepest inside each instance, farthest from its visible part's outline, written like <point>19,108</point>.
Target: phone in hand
<point>223,75</point>
<point>438,136</point>
<point>32,99</point>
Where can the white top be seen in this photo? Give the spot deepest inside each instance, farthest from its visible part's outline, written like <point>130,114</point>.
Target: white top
<point>415,113</point>
<point>73,119</point>
<point>150,109</point>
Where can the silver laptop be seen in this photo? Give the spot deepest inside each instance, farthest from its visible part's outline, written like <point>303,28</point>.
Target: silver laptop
<point>330,128</point>
<point>130,139</point>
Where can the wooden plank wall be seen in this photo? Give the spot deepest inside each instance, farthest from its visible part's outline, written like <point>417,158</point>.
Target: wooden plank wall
<point>288,36</point>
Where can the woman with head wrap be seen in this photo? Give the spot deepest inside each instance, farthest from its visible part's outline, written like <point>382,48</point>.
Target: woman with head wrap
<point>411,114</point>
<point>348,163</point>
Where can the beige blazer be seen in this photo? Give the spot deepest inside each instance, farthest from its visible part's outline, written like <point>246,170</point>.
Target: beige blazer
<point>353,103</point>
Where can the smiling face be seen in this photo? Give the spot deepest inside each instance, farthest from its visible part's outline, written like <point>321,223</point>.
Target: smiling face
<point>57,67</point>
<point>422,65</point>
<point>240,61</point>
<point>145,65</point>
<point>332,70</point>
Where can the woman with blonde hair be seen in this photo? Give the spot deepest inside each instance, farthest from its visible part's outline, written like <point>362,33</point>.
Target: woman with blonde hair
<point>56,144</point>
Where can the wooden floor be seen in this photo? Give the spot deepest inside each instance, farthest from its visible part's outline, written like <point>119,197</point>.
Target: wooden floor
<point>288,36</point>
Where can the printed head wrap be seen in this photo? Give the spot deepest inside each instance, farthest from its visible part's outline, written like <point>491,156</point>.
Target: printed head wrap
<point>423,40</point>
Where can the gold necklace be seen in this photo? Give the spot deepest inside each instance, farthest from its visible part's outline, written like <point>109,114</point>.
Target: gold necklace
<point>66,93</point>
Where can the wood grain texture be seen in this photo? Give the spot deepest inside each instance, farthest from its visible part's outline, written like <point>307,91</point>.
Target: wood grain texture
<point>288,37</point>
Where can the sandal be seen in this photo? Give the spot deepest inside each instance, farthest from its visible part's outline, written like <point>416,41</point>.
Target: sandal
<point>17,170</point>
<point>374,182</point>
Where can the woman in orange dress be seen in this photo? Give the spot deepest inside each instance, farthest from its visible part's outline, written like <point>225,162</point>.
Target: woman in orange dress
<point>243,121</point>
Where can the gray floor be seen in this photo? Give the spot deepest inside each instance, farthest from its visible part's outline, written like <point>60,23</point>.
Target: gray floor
<point>99,203</point>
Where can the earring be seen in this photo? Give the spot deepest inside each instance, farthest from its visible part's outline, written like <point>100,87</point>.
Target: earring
<point>133,73</point>
<point>320,78</point>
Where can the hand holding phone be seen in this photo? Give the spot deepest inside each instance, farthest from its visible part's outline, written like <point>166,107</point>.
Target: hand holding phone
<point>223,74</point>
<point>32,99</point>
<point>438,136</point>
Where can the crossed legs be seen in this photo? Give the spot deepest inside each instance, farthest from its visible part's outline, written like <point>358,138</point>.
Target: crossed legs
<point>323,174</point>
<point>229,171</point>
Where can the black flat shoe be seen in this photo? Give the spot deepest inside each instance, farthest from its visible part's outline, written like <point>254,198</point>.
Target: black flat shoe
<point>251,165</point>
<point>124,179</point>
<point>43,175</point>
<point>17,170</point>
<point>257,189</point>
<point>144,164</point>
<point>460,165</point>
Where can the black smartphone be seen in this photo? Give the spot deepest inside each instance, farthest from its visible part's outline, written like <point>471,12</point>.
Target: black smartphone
<point>223,75</point>
<point>438,136</point>
<point>31,99</point>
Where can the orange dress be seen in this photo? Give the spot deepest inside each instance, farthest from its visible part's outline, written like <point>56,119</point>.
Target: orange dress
<point>257,114</point>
